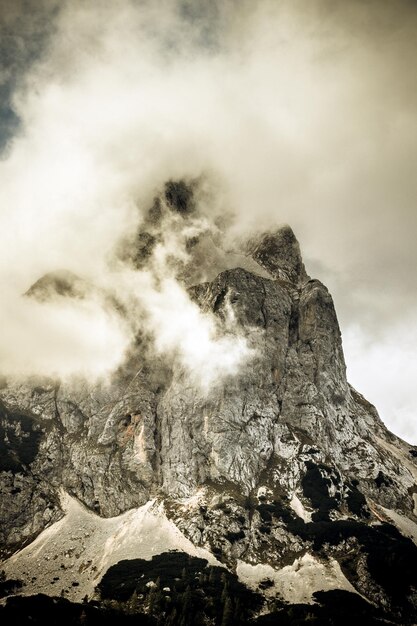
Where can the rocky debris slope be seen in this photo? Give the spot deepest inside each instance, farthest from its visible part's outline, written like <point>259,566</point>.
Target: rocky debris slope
<point>87,545</point>
<point>280,469</point>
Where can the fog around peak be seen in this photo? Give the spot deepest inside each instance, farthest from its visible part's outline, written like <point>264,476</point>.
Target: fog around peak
<point>296,112</point>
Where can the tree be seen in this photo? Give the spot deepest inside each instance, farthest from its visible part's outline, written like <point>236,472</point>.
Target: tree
<point>237,615</point>
<point>227,619</point>
<point>186,602</point>
<point>172,618</point>
<point>225,592</point>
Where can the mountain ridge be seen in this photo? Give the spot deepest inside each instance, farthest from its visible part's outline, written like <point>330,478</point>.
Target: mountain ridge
<point>280,465</point>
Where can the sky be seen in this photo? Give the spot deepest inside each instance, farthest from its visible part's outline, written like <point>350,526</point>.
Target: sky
<point>301,112</point>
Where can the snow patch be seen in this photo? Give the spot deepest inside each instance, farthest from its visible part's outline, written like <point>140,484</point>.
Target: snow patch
<point>296,583</point>
<point>139,446</point>
<point>405,525</point>
<point>72,555</point>
<point>298,508</point>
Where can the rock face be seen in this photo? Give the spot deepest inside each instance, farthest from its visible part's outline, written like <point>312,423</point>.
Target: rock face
<point>59,283</point>
<point>282,462</point>
<point>279,253</point>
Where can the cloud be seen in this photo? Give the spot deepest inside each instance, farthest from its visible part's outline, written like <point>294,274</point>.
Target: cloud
<point>24,31</point>
<point>202,348</point>
<point>60,339</point>
<point>158,305</point>
<point>385,371</point>
<point>302,112</point>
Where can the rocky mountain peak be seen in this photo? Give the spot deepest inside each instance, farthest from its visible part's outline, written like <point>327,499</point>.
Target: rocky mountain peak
<point>280,472</point>
<point>63,283</point>
<point>279,253</point>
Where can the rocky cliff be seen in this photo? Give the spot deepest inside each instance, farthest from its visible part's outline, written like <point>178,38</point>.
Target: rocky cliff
<point>281,474</point>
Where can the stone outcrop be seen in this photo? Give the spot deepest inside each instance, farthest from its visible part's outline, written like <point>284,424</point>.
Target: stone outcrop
<point>282,458</point>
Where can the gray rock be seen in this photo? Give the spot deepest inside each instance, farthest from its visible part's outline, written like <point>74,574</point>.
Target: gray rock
<point>287,417</point>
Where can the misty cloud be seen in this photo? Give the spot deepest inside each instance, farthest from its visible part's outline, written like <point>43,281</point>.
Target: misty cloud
<point>59,338</point>
<point>300,112</point>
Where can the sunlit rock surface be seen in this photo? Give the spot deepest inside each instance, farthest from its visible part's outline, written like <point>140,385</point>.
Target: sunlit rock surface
<point>281,471</point>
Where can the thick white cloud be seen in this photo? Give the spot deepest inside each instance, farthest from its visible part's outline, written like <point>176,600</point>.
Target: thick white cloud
<point>385,370</point>
<point>59,339</point>
<point>304,111</point>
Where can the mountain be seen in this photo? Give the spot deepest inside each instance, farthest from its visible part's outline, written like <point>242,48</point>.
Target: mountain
<point>275,496</point>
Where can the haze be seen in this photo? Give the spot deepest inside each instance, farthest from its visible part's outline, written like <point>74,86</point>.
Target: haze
<point>302,112</point>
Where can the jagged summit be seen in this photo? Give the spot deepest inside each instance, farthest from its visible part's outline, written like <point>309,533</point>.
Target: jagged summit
<point>279,253</point>
<point>281,471</point>
<point>62,283</point>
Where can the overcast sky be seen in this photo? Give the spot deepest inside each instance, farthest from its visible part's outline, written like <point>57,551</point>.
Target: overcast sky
<point>304,111</point>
